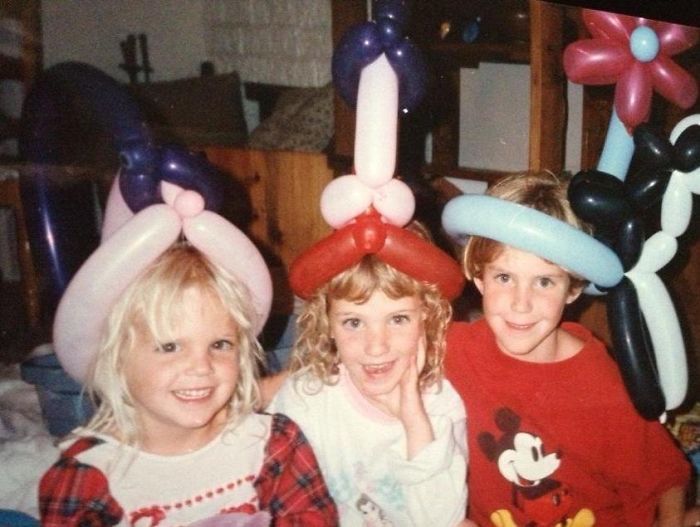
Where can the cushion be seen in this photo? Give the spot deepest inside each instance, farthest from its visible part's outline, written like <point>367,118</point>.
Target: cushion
<point>194,111</point>
<point>301,121</point>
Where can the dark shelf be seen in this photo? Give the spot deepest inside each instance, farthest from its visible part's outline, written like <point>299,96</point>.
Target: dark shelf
<point>461,55</point>
<point>11,68</point>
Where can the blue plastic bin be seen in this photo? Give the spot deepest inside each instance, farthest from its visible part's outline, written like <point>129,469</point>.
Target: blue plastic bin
<point>63,405</point>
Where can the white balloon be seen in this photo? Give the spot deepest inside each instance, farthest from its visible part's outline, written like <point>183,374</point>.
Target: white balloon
<point>225,245</point>
<point>666,336</point>
<point>344,199</point>
<point>658,250</point>
<point>682,125</point>
<point>101,280</point>
<point>676,206</point>
<point>395,201</point>
<point>376,123</point>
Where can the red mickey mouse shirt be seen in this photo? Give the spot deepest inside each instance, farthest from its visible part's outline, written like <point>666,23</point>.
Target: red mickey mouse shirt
<point>551,442</point>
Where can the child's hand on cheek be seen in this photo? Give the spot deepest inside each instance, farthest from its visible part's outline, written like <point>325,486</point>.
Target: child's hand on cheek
<point>412,414</point>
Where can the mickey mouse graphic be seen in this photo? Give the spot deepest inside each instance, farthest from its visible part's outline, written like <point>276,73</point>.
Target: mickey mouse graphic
<point>522,460</point>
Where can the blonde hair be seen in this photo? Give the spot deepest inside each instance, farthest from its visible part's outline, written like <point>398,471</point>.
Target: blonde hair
<point>155,300</point>
<point>315,350</point>
<point>542,191</point>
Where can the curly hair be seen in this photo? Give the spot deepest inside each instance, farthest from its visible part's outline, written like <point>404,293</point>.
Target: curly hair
<point>542,191</point>
<point>315,350</point>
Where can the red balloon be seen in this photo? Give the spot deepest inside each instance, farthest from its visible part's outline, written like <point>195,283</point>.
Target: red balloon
<point>633,95</point>
<point>673,82</point>
<point>674,38</point>
<point>609,25</point>
<point>596,61</point>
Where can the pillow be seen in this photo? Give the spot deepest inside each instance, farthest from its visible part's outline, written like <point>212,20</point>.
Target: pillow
<point>301,121</point>
<point>195,111</point>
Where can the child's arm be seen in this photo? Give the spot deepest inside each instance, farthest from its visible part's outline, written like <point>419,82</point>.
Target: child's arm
<point>671,510</point>
<point>270,385</point>
<point>290,485</point>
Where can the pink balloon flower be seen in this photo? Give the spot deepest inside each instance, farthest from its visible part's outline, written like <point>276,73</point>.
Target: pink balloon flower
<point>633,53</point>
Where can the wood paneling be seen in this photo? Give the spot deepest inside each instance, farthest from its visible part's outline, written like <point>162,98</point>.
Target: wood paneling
<point>284,189</point>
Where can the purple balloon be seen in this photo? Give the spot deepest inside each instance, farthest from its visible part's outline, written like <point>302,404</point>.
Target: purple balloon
<point>408,63</point>
<point>359,46</point>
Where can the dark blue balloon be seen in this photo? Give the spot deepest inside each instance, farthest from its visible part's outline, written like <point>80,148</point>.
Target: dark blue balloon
<point>389,32</point>
<point>395,10</point>
<point>61,213</point>
<point>632,350</point>
<point>359,46</point>
<point>191,171</point>
<point>363,43</point>
<point>411,70</point>
<point>600,199</point>
<point>687,149</point>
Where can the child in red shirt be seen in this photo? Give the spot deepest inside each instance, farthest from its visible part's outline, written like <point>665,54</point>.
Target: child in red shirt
<point>553,437</point>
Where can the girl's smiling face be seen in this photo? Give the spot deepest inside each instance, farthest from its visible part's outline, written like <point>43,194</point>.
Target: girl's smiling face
<point>524,298</point>
<point>376,341</point>
<point>181,388</point>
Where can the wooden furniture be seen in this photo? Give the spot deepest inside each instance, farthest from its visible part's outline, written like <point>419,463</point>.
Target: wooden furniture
<point>284,189</point>
<point>27,64</point>
<point>547,84</point>
<point>9,197</point>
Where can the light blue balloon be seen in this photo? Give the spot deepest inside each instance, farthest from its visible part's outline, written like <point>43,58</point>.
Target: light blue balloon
<point>617,150</point>
<point>644,44</point>
<point>533,231</point>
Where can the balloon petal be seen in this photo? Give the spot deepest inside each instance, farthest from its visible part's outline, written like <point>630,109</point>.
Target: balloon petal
<point>675,38</point>
<point>595,61</point>
<point>673,82</point>
<point>608,25</point>
<point>633,95</point>
<point>343,199</point>
<point>395,202</point>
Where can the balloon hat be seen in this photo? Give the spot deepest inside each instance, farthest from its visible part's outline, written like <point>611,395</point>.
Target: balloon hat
<point>634,53</point>
<point>369,209</point>
<point>160,194</point>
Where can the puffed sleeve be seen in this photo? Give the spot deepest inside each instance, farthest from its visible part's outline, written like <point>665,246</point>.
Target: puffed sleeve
<point>290,485</point>
<point>75,494</point>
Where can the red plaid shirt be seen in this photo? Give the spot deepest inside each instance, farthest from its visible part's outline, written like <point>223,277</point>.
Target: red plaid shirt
<point>289,486</point>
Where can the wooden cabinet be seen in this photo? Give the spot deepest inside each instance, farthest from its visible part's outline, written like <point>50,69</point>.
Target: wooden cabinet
<point>284,189</point>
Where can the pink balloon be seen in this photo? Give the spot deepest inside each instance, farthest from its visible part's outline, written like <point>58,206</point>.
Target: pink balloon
<point>395,202</point>
<point>343,199</point>
<point>376,123</point>
<point>225,245</point>
<point>673,82</point>
<point>187,203</point>
<point>596,61</point>
<point>100,281</point>
<point>117,212</point>
<point>633,95</point>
